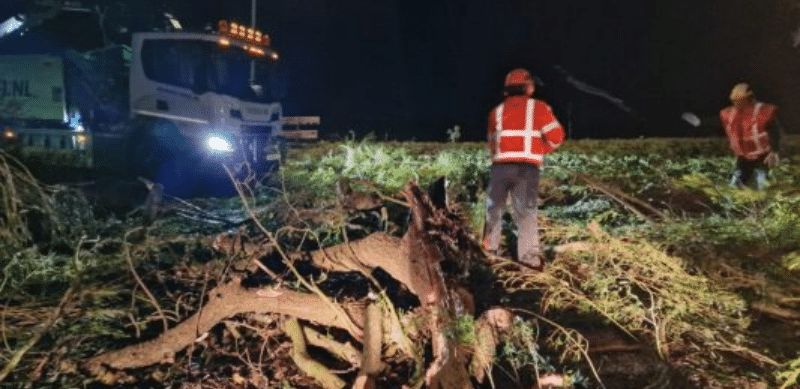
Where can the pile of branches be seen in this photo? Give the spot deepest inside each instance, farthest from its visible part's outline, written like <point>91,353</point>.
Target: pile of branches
<point>653,299</point>
<point>419,305</point>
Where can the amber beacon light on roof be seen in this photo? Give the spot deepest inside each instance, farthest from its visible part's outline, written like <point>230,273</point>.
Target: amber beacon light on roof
<point>253,41</point>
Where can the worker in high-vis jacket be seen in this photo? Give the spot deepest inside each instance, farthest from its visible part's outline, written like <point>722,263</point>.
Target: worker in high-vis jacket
<point>754,136</point>
<point>522,130</point>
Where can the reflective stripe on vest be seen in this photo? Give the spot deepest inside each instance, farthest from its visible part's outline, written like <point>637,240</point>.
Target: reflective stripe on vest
<point>757,134</point>
<point>527,134</point>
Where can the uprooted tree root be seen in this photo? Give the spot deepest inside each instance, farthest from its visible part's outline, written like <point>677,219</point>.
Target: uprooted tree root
<point>415,260</point>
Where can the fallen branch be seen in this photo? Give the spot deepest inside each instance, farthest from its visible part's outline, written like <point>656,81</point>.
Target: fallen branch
<point>15,360</point>
<point>362,255</point>
<point>623,198</point>
<point>775,312</point>
<point>308,365</point>
<point>344,351</point>
<point>373,340</point>
<point>141,283</point>
<point>413,260</point>
<point>224,301</point>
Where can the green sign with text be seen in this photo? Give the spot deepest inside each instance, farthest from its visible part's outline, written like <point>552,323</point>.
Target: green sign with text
<point>31,87</point>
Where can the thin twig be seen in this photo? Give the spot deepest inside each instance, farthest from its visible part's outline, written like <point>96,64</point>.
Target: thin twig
<point>614,195</point>
<point>15,360</point>
<point>285,258</point>
<point>200,304</point>
<point>152,298</point>
<point>582,350</point>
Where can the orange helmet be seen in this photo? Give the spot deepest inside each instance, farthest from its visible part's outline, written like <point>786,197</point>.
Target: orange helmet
<point>741,91</point>
<point>520,78</point>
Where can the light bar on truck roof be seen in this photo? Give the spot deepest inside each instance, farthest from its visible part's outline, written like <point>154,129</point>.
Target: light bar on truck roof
<point>235,31</point>
<point>176,25</point>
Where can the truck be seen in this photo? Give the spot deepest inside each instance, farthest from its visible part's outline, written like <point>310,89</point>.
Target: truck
<point>173,106</point>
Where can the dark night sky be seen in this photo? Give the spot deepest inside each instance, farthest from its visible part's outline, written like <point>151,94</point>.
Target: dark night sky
<point>412,68</point>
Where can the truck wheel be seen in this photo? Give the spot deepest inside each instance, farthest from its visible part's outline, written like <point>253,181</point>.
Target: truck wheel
<point>161,154</point>
<point>177,177</point>
<point>146,158</point>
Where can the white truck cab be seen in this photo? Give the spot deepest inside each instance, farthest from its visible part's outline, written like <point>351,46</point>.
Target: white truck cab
<point>173,106</point>
<point>199,85</point>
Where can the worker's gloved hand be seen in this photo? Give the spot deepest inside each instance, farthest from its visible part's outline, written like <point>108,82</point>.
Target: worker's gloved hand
<point>773,159</point>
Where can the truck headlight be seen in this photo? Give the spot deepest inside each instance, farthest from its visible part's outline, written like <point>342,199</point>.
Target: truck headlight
<point>216,143</point>
<point>9,133</point>
<point>80,141</point>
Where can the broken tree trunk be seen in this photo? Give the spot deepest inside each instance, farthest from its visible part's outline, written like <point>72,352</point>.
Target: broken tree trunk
<point>414,260</point>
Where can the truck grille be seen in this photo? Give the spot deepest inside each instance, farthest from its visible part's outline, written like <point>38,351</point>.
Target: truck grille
<point>260,129</point>
<point>258,147</point>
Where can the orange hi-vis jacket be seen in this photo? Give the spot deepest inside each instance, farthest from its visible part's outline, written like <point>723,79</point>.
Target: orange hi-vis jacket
<point>748,129</point>
<point>522,129</point>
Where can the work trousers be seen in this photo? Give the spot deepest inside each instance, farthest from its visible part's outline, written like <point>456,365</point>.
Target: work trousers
<point>520,181</point>
<point>754,170</point>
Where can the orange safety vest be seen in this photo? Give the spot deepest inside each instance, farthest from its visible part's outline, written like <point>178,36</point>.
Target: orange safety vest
<point>747,129</point>
<point>523,129</point>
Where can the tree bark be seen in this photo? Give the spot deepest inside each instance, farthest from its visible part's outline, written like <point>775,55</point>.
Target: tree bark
<point>224,301</point>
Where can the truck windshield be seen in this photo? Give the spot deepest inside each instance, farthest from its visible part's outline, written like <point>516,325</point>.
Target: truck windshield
<point>202,66</point>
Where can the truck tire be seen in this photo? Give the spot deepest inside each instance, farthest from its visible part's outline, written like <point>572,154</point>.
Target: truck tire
<point>146,157</point>
<point>160,153</point>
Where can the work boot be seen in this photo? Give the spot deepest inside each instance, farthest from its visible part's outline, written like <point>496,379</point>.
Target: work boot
<point>487,248</point>
<point>534,261</point>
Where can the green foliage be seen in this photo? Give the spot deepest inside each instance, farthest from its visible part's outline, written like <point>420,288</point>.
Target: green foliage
<point>388,165</point>
<point>643,290</point>
<point>790,374</point>
<point>792,260</point>
<point>20,198</point>
<point>522,350</point>
<point>580,212</point>
<point>765,220</point>
<point>462,330</point>
<point>731,199</point>
<point>28,267</point>
<point>680,148</point>
<point>454,133</point>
